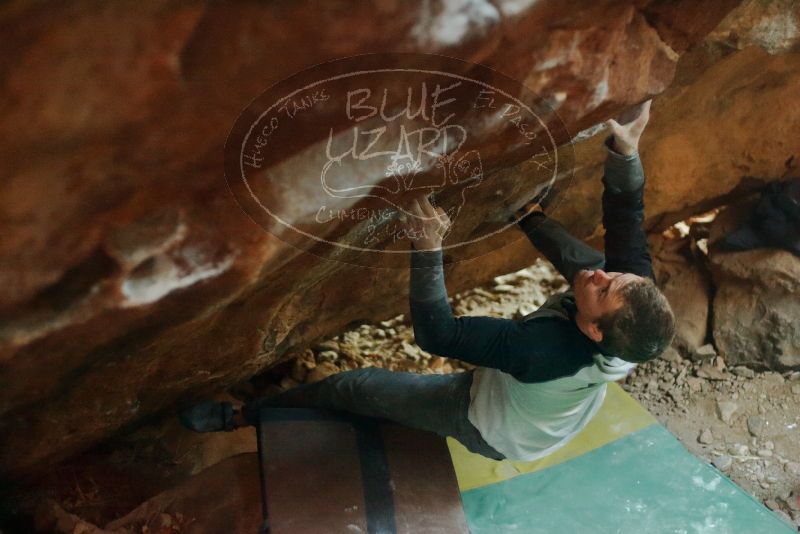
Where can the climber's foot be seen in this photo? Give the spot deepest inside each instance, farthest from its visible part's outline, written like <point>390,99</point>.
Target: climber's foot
<point>210,416</point>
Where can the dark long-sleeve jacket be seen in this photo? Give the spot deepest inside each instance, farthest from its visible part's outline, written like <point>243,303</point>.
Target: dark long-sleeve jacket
<point>546,344</point>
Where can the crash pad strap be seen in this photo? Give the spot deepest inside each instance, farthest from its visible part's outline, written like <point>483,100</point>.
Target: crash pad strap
<point>262,472</point>
<point>375,477</point>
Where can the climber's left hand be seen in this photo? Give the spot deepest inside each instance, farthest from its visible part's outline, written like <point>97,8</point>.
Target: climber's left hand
<point>427,225</point>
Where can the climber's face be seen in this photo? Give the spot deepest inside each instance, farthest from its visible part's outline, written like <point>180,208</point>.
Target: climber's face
<point>597,294</point>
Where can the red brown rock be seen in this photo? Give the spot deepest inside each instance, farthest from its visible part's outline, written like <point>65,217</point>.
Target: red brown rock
<point>131,279</point>
<point>685,283</point>
<point>223,498</point>
<point>756,312</point>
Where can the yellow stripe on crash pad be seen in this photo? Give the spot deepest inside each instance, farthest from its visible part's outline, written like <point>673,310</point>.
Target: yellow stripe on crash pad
<point>619,416</point>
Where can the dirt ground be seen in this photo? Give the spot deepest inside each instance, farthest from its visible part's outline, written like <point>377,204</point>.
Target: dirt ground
<point>746,423</point>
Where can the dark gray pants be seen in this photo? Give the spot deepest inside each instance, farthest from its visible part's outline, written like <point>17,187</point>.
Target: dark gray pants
<point>437,403</point>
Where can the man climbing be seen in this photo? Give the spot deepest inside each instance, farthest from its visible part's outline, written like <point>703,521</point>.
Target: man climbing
<point>540,379</point>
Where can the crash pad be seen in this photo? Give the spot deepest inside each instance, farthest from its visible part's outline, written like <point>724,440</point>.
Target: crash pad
<point>624,473</point>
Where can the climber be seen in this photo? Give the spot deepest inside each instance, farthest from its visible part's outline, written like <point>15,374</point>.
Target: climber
<point>540,379</point>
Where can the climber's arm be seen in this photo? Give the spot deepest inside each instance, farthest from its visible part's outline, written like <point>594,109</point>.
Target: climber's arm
<point>531,351</point>
<point>626,248</point>
<point>567,253</point>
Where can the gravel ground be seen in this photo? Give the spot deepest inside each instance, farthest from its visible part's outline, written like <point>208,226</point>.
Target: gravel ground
<point>744,422</point>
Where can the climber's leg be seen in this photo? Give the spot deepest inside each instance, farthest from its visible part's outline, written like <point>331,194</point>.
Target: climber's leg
<point>437,403</point>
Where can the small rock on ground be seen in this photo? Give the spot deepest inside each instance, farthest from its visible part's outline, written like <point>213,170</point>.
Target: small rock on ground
<point>706,437</point>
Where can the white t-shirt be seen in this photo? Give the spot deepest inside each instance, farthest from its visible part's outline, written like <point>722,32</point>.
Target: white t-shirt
<point>525,421</point>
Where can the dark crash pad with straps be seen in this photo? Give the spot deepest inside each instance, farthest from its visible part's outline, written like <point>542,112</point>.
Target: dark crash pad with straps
<point>328,472</point>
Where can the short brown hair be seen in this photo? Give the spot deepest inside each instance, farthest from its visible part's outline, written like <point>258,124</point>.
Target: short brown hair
<point>642,328</point>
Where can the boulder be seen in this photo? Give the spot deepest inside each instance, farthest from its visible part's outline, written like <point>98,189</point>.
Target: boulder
<point>773,25</point>
<point>682,277</point>
<point>756,312</point>
<point>132,281</point>
<point>222,498</point>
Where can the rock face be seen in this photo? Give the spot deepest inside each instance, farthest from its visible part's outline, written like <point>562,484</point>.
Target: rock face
<point>756,312</point>
<point>773,25</point>
<point>130,278</point>
<point>229,488</point>
<point>686,285</point>
<point>223,498</point>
